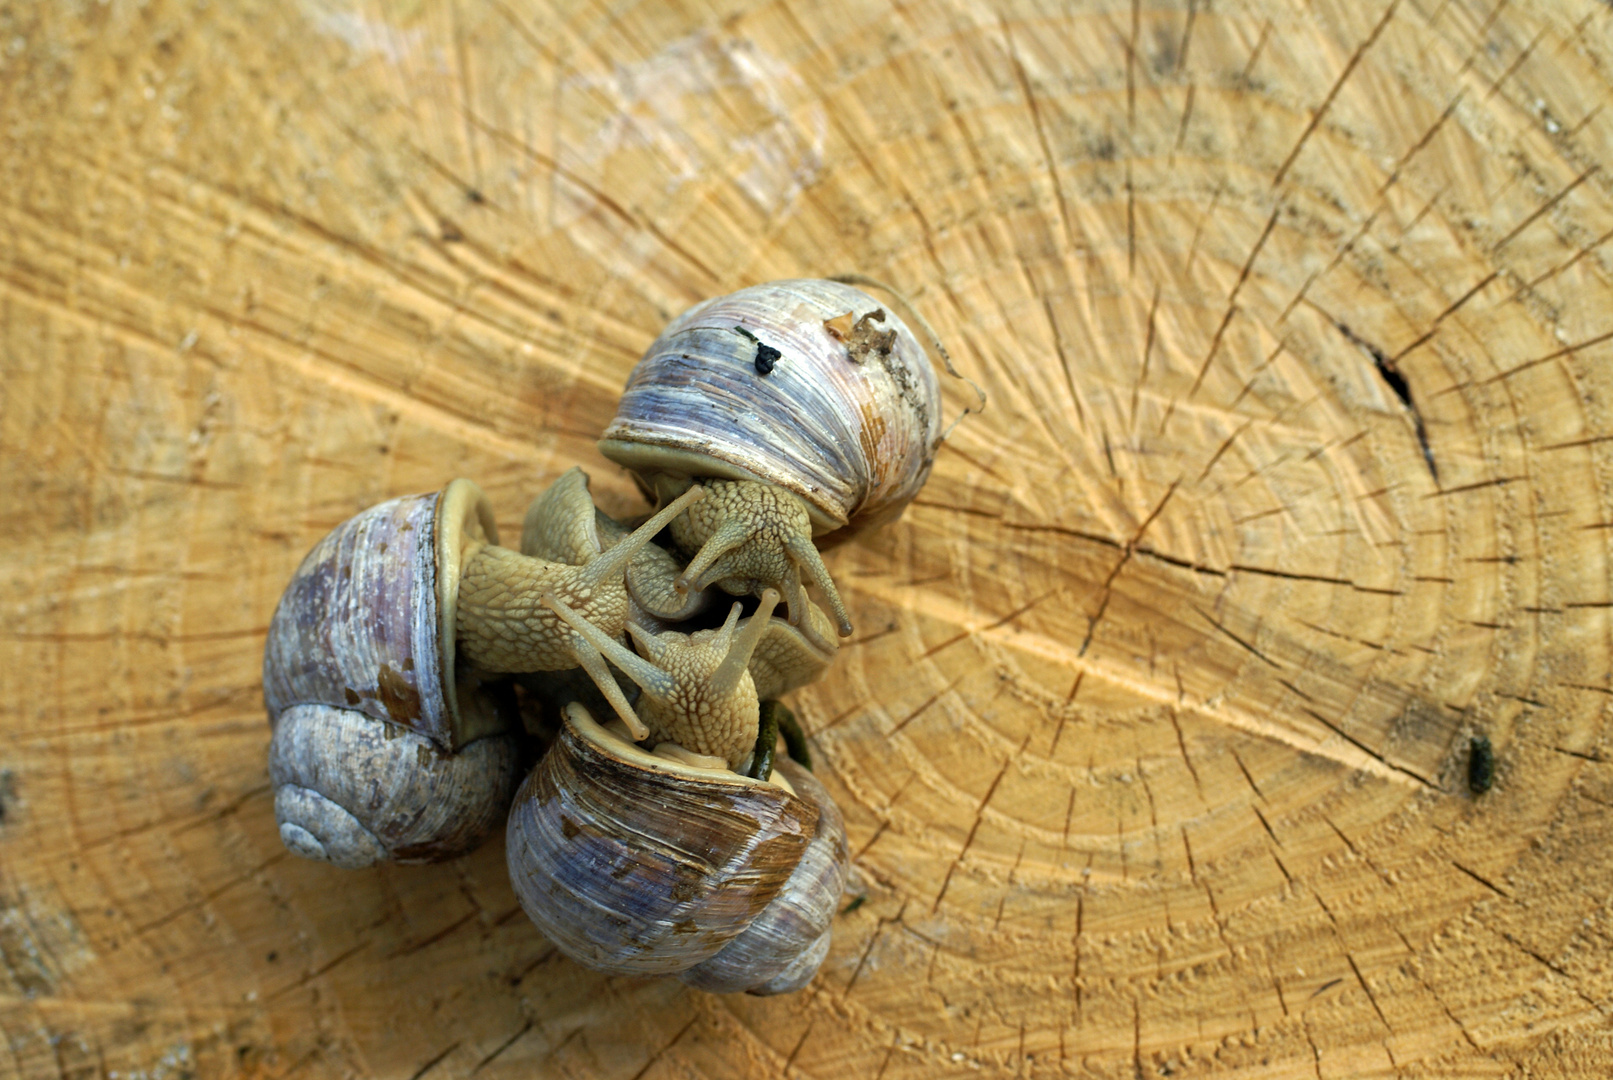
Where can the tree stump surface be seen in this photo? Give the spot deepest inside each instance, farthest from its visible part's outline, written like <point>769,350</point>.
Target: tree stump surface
<point>1153,740</point>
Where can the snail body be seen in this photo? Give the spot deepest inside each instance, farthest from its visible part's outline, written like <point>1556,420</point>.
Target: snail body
<point>636,864</point>
<point>380,748</point>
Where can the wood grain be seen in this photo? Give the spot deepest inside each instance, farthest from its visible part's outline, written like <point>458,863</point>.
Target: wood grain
<point>1152,742</point>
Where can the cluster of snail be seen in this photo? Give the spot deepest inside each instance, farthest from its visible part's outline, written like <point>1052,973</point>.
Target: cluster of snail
<point>661,832</point>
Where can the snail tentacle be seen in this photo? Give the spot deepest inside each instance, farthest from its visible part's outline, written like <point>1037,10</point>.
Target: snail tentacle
<point>739,646</point>
<point>703,569</point>
<point>652,577</point>
<point>805,556</point>
<point>593,662</point>
<point>644,672</point>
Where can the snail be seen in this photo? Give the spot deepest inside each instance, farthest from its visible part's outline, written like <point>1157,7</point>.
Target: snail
<point>381,749</point>
<point>385,744</point>
<point>761,423</point>
<point>803,407</point>
<point>666,863</point>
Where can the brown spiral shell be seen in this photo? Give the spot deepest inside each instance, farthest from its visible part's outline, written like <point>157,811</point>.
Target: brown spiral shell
<point>635,865</point>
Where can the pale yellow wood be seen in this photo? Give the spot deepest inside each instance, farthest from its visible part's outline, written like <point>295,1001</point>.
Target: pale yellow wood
<point>1152,740</point>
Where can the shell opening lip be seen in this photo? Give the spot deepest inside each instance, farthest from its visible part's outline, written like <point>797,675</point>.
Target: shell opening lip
<point>590,731</point>
<point>464,516</point>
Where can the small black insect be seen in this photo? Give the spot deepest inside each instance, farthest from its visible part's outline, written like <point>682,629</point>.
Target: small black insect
<point>856,902</point>
<point>1480,765</point>
<point>766,355</point>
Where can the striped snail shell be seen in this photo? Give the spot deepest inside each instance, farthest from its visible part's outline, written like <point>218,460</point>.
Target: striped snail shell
<point>847,417</point>
<point>636,863</point>
<point>380,750</point>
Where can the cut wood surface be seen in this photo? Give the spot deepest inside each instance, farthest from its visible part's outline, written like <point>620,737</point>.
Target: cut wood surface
<point>1153,738</point>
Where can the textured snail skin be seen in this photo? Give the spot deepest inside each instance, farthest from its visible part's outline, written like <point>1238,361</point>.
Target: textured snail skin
<point>697,690</point>
<point>652,582</point>
<point>378,751</point>
<point>634,865</point>
<point>790,657</point>
<point>502,624</point>
<point>850,431</point>
<point>562,525</point>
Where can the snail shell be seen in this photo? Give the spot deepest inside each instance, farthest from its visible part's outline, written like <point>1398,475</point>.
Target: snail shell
<point>633,864</point>
<point>847,418</point>
<point>378,750</point>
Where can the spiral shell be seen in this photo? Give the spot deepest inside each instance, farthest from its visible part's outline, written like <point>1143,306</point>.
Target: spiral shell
<point>355,791</point>
<point>636,865</point>
<point>783,948</point>
<point>367,622</point>
<point>379,750</point>
<point>846,420</point>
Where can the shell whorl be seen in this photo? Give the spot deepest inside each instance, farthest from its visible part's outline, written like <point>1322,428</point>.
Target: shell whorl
<point>635,865</point>
<point>853,438</point>
<point>354,791</point>
<point>782,949</point>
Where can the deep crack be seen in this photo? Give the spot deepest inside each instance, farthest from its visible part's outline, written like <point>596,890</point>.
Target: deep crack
<point>1397,383</point>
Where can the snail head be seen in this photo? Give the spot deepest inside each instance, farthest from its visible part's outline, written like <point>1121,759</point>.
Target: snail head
<point>747,536</point>
<point>697,688</point>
